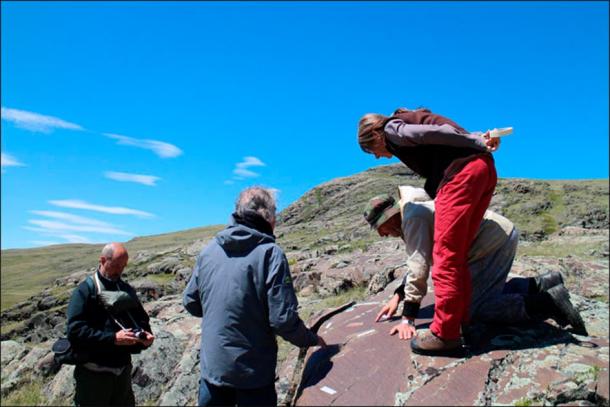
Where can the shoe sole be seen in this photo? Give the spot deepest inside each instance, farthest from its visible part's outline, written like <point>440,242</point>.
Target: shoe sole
<point>561,298</point>
<point>457,352</point>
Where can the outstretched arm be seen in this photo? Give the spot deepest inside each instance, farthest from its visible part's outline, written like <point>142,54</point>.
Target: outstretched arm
<point>282,303</point>
<point>411,135</point>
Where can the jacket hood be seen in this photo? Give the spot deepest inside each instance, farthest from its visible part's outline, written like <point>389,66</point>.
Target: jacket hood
<point>238,239</point>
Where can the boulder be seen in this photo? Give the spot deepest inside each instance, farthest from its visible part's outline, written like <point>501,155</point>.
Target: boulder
<point>381,279</point>
<point>595,218</point>
<point>306,279</point>
<point>184,275</point>
<point>11,350</point>
<point>185,387</point>
<point>19,311</point>
<point>154,368</point>
<point>147,290</point>
<point>60,390</point>
<point>47,302</point>
<point>196,247</point>
<point>169,265</point>
<point>20,370</point>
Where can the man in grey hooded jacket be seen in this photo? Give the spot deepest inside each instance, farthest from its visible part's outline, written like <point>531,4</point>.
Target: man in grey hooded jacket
<point>242,289</point>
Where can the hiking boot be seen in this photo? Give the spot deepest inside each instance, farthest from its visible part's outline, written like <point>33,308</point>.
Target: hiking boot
<point>561,298</point>
<point>426,343</point>
<point>555,303</point>
<point>545,281</point>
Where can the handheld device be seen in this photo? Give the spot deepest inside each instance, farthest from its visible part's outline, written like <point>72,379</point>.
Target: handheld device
<point>502,131</point>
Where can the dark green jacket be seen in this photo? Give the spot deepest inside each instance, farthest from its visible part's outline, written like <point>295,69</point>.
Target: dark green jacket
<point>90,326</point>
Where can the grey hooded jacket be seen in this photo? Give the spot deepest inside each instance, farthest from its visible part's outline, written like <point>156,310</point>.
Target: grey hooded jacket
<point>242,288</point>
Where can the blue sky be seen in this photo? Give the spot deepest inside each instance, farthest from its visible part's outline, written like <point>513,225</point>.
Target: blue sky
<point>127,119</point>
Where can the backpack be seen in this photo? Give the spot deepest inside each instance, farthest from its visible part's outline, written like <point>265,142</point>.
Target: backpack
<point>64,352</point>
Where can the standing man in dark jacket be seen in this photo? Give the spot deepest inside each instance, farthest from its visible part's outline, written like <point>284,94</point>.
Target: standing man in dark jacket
<point>242,289</point>
<point>108,337</point>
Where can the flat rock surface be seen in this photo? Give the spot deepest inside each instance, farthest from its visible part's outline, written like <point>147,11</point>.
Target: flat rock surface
<point>537,363</point>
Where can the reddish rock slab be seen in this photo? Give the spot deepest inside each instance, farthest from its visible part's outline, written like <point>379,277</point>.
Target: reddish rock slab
<point>461,385</point>
<point>363,364</point>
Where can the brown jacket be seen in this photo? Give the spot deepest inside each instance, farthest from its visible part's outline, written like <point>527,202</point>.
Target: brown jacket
<point>431,145</point>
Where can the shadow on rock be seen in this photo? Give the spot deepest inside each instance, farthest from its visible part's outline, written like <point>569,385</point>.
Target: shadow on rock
<point>482,338</point>
<point>317,367</point>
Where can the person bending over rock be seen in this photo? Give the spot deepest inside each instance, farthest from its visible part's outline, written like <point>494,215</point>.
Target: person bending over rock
<point>489,259</point>
<point>461,176</point>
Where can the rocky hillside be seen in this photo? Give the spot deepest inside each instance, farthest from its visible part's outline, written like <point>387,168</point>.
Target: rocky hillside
<point>334,258</point>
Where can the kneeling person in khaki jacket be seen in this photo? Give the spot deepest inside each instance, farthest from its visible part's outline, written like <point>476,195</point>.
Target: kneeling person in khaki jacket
<point>490,258</point>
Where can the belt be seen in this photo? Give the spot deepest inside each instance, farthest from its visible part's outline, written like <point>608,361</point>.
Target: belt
<point>94,367</point>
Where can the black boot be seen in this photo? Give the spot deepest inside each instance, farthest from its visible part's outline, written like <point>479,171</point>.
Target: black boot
<point>544,282</point>
<point>555,303</point>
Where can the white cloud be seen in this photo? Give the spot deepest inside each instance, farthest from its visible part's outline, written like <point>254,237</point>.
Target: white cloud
<point>68,224</point>
<point>7,160</point>
<point>36,122</point>
<point>241,170</point>
<point>81,220</point>
<point>57,233</point>
<point>50,225</point>
<point>75,238</point>
<point>161,148</point>
<point>250,162</point>
<point>115,210</point>
<point>245,173</point>
<point>43,242</point>
<point>137,178</point>
<point>69,238</point>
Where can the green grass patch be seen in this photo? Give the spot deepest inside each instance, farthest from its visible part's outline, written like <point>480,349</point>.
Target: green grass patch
<point>549,224</point>
<point>560,249</point>
<point>601,298</point>
<point>11,326</point>
<point>26,272</point>
<point>283,349</point>
<point>319,199</point>
<point>362,245</point>
<point>353,294</point>
<point>524,402</point>
<point>333,301</point>
<point>161,279</point>
<point>590,375</point>
<point>29,394</point>
<point>567,203</point>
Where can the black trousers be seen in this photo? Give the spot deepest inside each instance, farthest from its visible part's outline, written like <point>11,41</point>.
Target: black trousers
<point>210,395</point>
<point>103,388</point>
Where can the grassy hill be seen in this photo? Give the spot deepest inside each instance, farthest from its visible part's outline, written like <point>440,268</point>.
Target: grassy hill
<point>330,215</point>
<point>25,272</point>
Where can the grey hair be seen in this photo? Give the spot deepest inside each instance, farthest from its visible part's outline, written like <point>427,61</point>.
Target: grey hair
<point>258,199</point>
<point>108,251</point>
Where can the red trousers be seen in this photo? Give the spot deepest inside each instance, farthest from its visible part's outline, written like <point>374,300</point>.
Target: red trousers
<point>459,208</point>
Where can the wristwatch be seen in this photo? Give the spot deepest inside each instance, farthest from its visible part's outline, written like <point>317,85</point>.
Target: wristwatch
<point>410,322</point>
